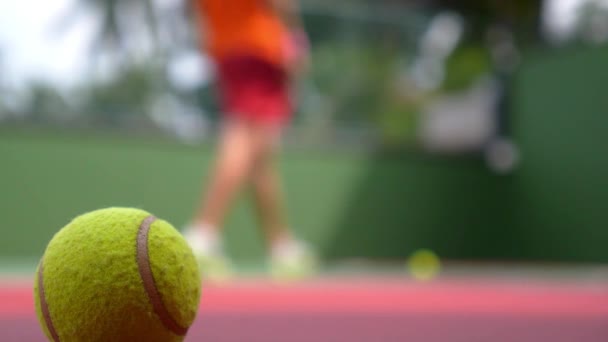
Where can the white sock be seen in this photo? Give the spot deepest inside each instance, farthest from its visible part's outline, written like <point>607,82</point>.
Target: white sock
<point>286,247</point>
<point>204,239</point>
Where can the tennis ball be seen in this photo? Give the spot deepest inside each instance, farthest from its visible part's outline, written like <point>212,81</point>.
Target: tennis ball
<point>117,274</point>
<point>424,265</point>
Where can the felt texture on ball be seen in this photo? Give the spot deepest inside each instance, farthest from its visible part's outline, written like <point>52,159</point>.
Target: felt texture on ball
<point>117,274</point>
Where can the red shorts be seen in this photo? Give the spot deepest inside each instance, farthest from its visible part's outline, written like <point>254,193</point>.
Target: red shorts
<point>255,90</point>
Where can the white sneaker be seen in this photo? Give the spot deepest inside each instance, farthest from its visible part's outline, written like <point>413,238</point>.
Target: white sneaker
<point>292,259</point>
<point>207,248</point>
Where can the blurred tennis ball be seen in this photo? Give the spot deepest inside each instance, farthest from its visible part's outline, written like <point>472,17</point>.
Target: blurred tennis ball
<point>424,265</point>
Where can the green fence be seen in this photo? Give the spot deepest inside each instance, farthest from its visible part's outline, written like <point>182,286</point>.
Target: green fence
<point>553,208</point>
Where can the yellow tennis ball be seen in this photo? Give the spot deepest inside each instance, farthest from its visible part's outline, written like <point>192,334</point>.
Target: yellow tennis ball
<point>117,274</point>
<point>424,265</point>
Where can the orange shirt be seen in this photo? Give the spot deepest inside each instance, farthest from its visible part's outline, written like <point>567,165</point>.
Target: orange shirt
<point>242,27</point>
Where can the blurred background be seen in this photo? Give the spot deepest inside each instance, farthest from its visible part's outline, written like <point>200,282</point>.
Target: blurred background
<point>477,130</point>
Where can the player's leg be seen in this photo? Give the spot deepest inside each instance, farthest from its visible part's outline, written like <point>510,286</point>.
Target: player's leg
<point>234,158</point>
<point>289,256</point>
<point>266,186</point>
<point>232,165</point>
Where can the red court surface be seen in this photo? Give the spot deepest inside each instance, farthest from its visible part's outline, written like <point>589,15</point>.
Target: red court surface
<point>358,309</point>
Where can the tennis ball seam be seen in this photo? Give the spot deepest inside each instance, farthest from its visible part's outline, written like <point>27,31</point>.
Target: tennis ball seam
<point>145,272</point>
<point>44,305</point>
